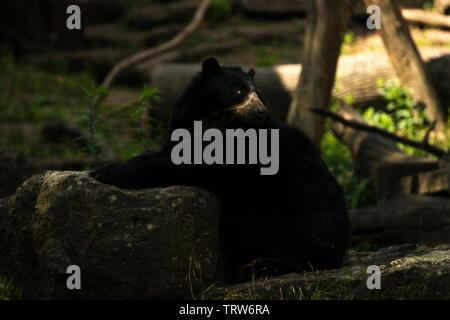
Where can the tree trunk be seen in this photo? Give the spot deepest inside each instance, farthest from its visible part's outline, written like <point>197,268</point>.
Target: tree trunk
<point>406,59</point>
<point>379,158</point>
<point>327,22</point>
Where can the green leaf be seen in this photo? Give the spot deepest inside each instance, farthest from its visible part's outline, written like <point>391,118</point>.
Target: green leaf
<point>101,90</point>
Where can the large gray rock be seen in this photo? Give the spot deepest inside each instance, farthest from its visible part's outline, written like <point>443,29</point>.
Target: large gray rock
<point>153,243</point>
<point>407,272</point>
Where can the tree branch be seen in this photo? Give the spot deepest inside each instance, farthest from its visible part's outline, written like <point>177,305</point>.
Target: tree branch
<point>148,53</point>
<point>427,134</point>
<point>362,126</point>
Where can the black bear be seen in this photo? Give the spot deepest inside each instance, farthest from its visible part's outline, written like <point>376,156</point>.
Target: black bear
<point>286,222</point>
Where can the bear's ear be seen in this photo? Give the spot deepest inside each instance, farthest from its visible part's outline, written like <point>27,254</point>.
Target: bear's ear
<point>211,67</point>
<point>251,73</point>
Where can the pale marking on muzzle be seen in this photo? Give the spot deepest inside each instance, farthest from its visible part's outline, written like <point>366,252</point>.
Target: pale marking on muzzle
<point>252,96</point>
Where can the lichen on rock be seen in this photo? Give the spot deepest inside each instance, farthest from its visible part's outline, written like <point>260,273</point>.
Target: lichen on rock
<point>61,218</point>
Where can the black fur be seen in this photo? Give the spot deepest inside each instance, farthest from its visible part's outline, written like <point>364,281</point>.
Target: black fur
<point>292,221</point>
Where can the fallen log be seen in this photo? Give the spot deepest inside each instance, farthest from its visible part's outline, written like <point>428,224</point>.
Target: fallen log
<point>357,76</point>
<point>422,17</point>
<point>406,219</point>
<point>436,182</point>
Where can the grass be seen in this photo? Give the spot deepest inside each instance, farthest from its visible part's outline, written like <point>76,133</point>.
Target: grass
<point>8,291</point>
<point>324,289</point>
<point>31,96</point>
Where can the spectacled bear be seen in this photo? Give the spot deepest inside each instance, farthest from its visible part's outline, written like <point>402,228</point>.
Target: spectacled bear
<point>291,221</point>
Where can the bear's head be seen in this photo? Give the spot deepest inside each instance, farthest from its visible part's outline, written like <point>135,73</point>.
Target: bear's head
<point>221,97</point>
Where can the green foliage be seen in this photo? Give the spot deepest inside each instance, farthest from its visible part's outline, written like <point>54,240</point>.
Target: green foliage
<point>403,115</point>
<point>367,245</point>
<point>357,191</point>
<point>8,291</point>
<point>91,119</point>
<point>347,41</point>
<point>349,37</point>
<point>349,99</point>
<point>146,123</point>
<point>402,108</point>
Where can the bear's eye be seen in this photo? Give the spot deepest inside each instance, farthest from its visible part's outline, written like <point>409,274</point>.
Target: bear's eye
<point>240,92</point>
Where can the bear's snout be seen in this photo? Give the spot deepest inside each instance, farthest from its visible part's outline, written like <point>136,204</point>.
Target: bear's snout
<point>256,110</point>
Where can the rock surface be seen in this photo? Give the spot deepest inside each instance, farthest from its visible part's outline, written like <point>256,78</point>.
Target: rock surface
<point>407,272</point>
<point>153,243</point>
<point>163,243</point>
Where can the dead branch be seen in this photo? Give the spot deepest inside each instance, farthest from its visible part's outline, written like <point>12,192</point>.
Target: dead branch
<point>148,53</point>
<point>361,126</point>
<point>427,134</point>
